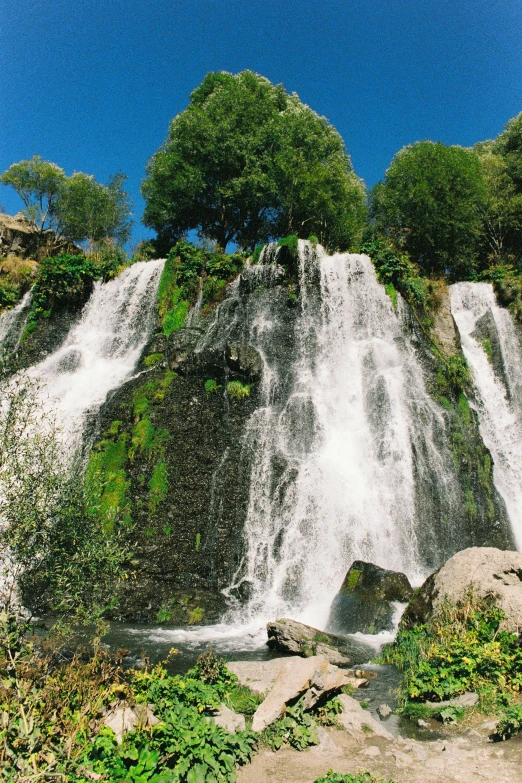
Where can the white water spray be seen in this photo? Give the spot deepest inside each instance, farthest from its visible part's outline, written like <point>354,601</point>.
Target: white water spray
<point>101,351</point>
<point>333,475</point>
<point>12,323</point>
<point>498,399</point>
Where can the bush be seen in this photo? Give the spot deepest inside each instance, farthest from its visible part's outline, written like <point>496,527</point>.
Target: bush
<point>463,647</point>
<point>52,723</point>
<point>395,269</point>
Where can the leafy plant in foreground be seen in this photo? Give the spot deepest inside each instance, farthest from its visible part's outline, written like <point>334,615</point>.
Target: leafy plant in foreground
<point>464,647</point>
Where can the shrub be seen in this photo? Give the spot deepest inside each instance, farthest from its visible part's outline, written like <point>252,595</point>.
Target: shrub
<point>463,647</point>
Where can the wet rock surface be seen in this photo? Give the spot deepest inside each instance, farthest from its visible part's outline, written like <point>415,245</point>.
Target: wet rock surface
<point>365,600</point>
<point>293,637</point>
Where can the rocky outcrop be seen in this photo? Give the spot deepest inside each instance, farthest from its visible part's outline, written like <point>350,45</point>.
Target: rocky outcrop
<point>19,237</point>
<point>444,329</point>
<point>293,637</point>
<point>365,601</point>
<point>493,574</point>
<point>308,677</point>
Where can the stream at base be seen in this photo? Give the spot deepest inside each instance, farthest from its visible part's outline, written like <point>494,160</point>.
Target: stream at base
<point>243,643</point>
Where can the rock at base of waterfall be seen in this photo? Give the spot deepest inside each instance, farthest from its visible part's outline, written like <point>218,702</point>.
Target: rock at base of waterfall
<point>293,637</point>
<point>493,574</point>
<point>307,677</point>
<point>358,721</point>
<point>228,719</point>
<point>384,711</point>
<point>365,601</point>
<point>124,719</point>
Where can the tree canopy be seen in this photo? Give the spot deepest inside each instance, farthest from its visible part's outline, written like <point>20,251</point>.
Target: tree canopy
<point>246,162</point>
<point>89,211</point>
<point>431,205</point>
<point>77,207</point>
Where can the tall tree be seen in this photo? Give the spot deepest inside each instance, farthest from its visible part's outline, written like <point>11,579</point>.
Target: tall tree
<point>245,162</point>
<point>430,205</point>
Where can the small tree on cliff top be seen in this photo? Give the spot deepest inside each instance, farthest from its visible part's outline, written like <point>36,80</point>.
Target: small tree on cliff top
<point>38,182</point>
<point>77,207</point>
<point>246,162</point>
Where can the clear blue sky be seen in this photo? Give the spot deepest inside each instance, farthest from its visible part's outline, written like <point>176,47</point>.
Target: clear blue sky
<point>92,85</point>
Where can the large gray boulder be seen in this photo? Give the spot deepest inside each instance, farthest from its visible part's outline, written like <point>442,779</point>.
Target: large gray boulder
<point>365,600</point>
<point>494,574</point>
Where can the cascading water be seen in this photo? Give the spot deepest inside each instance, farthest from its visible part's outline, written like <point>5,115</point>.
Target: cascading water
<point>340,439</point>
<point>498,387</point>
<point>12,324</point>
<point>102,349</point>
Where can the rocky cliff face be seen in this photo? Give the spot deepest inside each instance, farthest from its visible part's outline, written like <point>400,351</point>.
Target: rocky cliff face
<point>174,453</point>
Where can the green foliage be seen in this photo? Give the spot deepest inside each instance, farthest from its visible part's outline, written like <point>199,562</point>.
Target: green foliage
<point>211,386</point>
<point>392,293</point>
<point>63,280</point>
<point>38,182</point>
<point>196,616</point>
<point>88,211</point>
<point>106,482</point>
<point>16,277</point>
<point>362,777</point>
<point>77,207</point>
<point>153,359</point>
<point>245,162</point>
<point>212,670</point>
<point>65,564</point>
<point>510,722</point>
<point>501,213</point>
<point>296,728</point>
<point>462,648</point>
<point>257,253</point>
<point>158,485</point>
<point>241,699</point>
<point>429,206</point>
<point>507,282</point>
<point>237,390</point>
<point>189,270</point>
<point>396,271</point>
<point>291,242</point>
<point>51,724</point>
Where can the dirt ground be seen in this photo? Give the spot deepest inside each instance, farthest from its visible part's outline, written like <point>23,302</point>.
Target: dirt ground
<point>466,758</point>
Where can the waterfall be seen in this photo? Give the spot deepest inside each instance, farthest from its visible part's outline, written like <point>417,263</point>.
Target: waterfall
<point>344,433</point>
<point>101,351</point>
<point>12,323</point>
<point>497,384</point>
